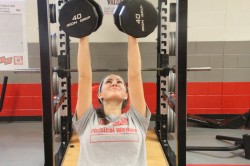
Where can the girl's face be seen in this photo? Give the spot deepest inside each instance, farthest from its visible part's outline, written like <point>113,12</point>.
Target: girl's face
<point>113,88</point>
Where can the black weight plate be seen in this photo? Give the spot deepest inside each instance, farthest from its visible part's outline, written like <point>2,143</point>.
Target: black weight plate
<point>172,12</point>
<point>99,12</point>
<point>52,13</point>
<point>138,18</point>
<point>78,18</point>
<point>116,13</point>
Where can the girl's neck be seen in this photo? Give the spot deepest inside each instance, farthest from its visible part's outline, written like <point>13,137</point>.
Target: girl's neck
<point>112,108</point>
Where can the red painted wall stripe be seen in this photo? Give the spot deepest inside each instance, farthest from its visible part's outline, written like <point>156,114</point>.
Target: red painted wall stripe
<point>202,98</point>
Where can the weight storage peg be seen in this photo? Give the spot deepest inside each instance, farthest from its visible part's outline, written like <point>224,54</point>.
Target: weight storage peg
<point>79,18</point>
<point>137,18</point>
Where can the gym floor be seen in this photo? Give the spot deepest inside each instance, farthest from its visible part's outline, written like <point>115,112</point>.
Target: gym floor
<point>22,144</point>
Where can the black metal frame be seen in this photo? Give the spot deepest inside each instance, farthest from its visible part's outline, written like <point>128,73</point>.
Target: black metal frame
<point>162,61</point>
<point>181,75</point>
<point>65,83</point>
<point>5,81</point>
<point>240,143</point>
<point>227,123</point>
<point>48,104</point>
<point>46,75</point>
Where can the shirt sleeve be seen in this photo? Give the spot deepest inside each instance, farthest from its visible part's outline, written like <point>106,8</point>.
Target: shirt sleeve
<point>142,121</point>
<point>81,124</point>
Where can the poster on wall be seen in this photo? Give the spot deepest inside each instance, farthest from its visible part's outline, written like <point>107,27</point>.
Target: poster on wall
<point>13,38</point>
<point>108,6</point>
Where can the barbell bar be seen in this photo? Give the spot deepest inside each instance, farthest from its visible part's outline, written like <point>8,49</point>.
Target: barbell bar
<point>37,70</point>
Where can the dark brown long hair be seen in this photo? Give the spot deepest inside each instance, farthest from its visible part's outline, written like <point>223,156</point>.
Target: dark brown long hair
<point>101,114</point>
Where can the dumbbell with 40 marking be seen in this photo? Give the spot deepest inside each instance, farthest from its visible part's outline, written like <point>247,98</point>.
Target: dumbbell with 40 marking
<point>79,18</point>
<point>138,18</point>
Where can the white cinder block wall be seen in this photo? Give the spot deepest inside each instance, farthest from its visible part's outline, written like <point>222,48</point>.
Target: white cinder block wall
<point>208,20</point>
<point>218,20</point>
<point>218,36</point>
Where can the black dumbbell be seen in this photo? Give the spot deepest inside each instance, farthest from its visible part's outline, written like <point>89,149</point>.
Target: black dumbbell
<point>99,13</point>
<point>116,14</point>
<point>137,18</point>
<point>79,18</point>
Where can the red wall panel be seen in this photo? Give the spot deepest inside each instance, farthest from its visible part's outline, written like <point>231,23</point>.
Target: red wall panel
<point>205,111</point>
<point>22,100</point>
<point>236,88</point>
<point>202,98</point>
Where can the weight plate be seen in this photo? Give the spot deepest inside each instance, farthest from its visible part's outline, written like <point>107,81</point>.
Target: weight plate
<point>55,83</point>
<point>138,18</point>
<point>78,18</point>
<point>174,119</point>
<point>171,81</point>
<point>174,81</point>
<point>52,13</point>
<point>168,127</point>
<point>56,122</point>
<point>171,119</point>
<point>99,12</point>
<point>172,12</point>
<point>172,43</point>
<point>116,14</point>
<point>54,45</point>
<point>59,121</point>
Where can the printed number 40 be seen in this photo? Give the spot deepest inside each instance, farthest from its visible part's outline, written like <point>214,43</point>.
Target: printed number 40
<point>138,18</point>
<point>77,16</point>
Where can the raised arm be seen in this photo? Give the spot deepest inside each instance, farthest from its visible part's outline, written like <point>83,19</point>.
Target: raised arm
<point>135,85</point>
<point>84,93</point>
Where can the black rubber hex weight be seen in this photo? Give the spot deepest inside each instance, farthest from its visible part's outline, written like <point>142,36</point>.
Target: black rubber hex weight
<point>78,18</point>
<point>117,12</point>
<point>99,12</point>
<point>138,18</point>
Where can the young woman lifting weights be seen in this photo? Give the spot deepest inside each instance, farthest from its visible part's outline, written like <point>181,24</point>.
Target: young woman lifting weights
<point>109,137</point>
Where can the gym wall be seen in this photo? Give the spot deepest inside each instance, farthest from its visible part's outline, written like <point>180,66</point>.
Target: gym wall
<point>218,36</point>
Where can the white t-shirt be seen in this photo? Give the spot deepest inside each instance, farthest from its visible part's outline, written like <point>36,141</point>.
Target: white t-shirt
<point>119,143</point>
